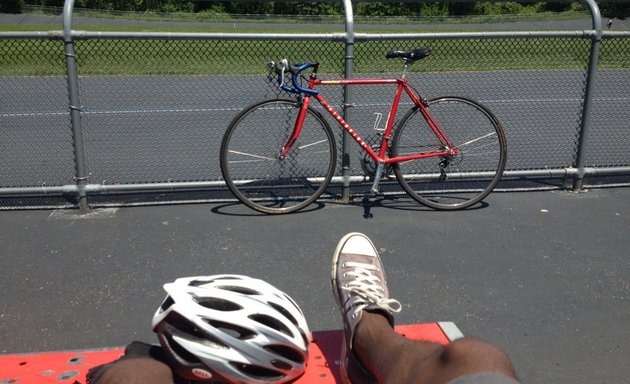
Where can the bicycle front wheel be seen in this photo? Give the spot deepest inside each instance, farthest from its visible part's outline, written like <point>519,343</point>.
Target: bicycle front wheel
<point>251,163</point>
<point>451,182</point>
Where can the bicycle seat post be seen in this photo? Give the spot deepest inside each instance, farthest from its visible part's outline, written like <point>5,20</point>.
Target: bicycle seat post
<point>405,67</point>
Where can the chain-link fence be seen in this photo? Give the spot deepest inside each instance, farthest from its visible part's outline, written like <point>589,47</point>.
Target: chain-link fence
<point>154,106</point>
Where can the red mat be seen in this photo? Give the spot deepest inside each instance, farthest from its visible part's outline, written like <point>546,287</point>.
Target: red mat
<point>71,366</point>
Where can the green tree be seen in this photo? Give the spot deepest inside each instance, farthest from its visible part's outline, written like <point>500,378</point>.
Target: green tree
<point>434,9</point>
<point>11,6</point>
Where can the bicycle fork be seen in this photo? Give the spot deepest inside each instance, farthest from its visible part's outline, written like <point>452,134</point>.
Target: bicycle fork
<point>303,102</point>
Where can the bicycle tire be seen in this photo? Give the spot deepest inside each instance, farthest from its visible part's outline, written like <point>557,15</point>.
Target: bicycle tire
<point>456,182</point>
<point>251,164</point>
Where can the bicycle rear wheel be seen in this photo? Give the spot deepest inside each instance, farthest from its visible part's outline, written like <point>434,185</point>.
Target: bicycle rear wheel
<point>251,164</point>
<point>451,182</point>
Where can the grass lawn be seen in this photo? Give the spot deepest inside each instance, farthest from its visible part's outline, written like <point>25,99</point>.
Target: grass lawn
<point>136,57</point>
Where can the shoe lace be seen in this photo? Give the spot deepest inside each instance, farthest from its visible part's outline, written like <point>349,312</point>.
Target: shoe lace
<point>367,288</point>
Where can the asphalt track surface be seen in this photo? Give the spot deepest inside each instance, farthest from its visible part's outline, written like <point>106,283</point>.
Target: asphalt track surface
<point>140,114</point>
<point>161,110</point>
<point>192,113</point>
<point>545,275</point>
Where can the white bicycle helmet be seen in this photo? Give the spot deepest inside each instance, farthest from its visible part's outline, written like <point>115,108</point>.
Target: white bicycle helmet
<point>232,328</point>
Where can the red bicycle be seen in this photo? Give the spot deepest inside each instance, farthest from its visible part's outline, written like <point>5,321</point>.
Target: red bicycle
<point>279,155</point>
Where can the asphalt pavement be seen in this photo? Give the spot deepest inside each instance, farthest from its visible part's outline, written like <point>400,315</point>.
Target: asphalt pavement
<point>545,275</point>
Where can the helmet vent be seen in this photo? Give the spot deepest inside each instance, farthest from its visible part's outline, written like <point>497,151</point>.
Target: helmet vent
<point>284,312</point>
<point>167,303</point>
<point>286,352</point>
<point>280,364</point>
<point>198,283</point>
<point>241,290</point>
<point>178,326</point>
<point>258,373</point>
<point>232,329</point>
<point>217,304</point>
<point>179,353</point>
<point>272,323</point>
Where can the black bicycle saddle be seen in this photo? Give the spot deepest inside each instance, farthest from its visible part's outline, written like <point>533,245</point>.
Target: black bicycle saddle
<point>411,55</point>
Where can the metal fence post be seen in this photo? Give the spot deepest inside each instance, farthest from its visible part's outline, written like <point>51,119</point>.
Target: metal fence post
<point>347,99</point>
<point>75,108</point>
<point>588,97</point>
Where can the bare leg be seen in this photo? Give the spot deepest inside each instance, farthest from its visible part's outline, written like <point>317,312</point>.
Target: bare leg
<point>372,352</point>
<point>136,370</point>
<point>392,358</point>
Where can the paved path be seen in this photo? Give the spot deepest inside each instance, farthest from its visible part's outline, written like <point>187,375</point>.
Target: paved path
<point>546,275</point>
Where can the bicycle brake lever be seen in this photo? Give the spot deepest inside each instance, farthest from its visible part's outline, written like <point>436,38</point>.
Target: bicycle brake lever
<point>284,64</point>
<point>271,70</point>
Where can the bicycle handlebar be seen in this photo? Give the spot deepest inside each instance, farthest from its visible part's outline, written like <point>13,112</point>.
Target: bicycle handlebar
<point>284,67</point>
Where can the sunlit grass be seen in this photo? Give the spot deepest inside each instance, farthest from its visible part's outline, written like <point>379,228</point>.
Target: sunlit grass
<point>199,57</point>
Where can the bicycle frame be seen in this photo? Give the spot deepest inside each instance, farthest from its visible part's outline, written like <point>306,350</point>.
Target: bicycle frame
<point>382,156</point>
<point>279,155</point>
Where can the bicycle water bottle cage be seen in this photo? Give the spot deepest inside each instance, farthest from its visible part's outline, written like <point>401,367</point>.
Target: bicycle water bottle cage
<point>295,71</point>
<point>410,56</point>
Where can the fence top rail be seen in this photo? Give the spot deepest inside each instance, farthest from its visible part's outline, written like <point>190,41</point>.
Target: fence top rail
<point>104,35</point>
<point>616,34</point>
<point>29,34</point>
<point>90,35</point>
<point>474,35</point>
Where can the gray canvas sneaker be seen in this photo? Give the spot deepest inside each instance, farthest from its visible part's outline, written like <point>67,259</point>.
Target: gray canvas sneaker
<point>359,284</point>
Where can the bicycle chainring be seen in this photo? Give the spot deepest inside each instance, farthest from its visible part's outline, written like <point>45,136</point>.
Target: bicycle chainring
<point>369,166</point>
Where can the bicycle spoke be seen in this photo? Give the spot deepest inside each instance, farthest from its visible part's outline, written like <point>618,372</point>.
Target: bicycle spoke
<point>309,145</point>
<point>477,139</point>
<point>251,155</point>
<point>268,183</point>
<point>451,181</point>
